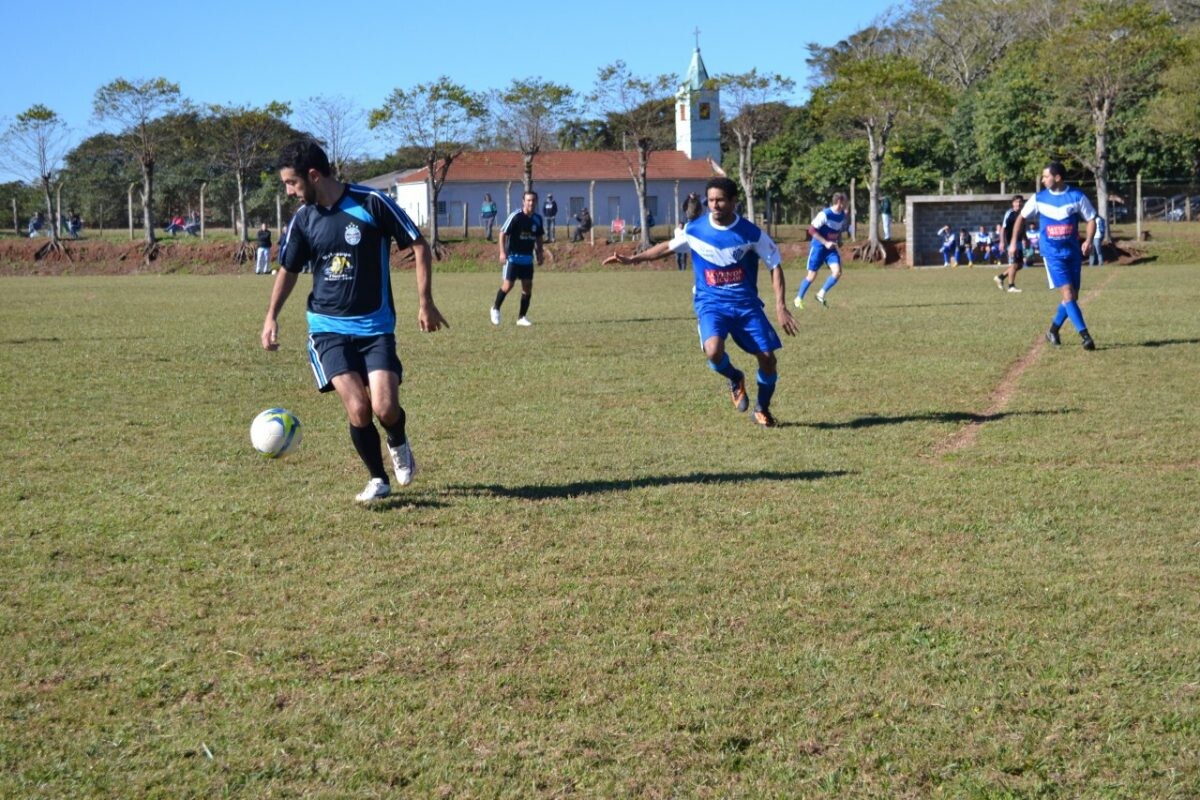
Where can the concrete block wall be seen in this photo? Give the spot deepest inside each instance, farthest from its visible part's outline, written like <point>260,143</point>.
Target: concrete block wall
<point>927,213</point>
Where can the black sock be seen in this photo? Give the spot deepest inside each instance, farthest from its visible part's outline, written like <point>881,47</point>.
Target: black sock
<point>366,442</point>
<point>1054,328</point>
<point>500,295</point>
<point>395,432</point>
<point>524,305</point>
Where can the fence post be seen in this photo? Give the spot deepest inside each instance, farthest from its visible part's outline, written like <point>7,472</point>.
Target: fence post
<point>466,222</point>
<point>131,210</point>
<point>853,220</point>
<point>16,222</point>
<point>203,186</point>
<point>1139,206</point>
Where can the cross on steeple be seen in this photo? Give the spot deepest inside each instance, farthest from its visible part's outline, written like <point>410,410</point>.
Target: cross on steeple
<point>697,34</point>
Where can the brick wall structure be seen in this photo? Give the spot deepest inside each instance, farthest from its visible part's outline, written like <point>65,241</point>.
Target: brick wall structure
<point>926,213</point>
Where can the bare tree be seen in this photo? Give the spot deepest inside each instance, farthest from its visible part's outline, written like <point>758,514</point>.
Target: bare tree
<point>440,118</point>
<point>634,104</point>
<point>337,123</point>
<point>36,143</point>
<point>749,99</point>
<point>134,106</point>
<point>528,113</point>
<point>965,39</point>
<point>244,139</point>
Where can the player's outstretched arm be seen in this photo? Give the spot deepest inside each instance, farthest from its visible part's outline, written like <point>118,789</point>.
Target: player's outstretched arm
<point>284,282</point>
<point>429,319</point>
<point>650,254</point>
<point>782,312</point>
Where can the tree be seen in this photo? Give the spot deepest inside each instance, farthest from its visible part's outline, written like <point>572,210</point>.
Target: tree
<point>339,125</point>
<point>1107,58</point>
<point>244,140</point>
<point>966,39</point>
<point>873,96</point>
<point>753,115</point>
<point>528,113</point>
<point>134,106</point>
<point>440,118</point>
<point>36,145</point>
<point>635,104</point>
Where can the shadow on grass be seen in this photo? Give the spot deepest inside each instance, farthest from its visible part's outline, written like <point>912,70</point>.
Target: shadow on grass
<point>403,502</point>
<point>32,340</point>
<point>928,305</point>
<point>565,491</point>
<point>689,318</point>
<point>1151,343</point>
<point>875,420</point>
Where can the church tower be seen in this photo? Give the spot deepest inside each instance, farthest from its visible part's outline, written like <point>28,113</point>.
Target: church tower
<point>698,113</point>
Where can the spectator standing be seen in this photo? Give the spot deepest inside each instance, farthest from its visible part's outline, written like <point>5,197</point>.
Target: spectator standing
<point>36,223</point>
<point>885,215</point>
<point>487,215</point>
<point>262,261</point>
<point>1096,257</point>
<point>550,216</point>
<point>681,255</point>
<point>693,207</point>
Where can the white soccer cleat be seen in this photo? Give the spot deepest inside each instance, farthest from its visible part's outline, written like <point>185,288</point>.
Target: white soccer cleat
<point>1013,289</point>
<point>404,463</point>
<point>495,315</point>
<point>524,322</point>
<point>821,298</point>
<point>999,281</point>
<point>798,302</point>
<point>376,489</point>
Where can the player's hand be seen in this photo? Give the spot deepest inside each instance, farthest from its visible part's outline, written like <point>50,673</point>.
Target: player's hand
<point>429,319</point>
<point>1087,247</point>
<point>787,321</point>
<point>616,258</point>
<point>270,335</point>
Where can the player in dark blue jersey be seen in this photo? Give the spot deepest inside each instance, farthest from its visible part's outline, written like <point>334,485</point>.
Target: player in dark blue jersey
<point>1016,260</point>
<point>520,246</point>
<point>345,232</point>
<point>726,250</point>
<point>1060,207</point>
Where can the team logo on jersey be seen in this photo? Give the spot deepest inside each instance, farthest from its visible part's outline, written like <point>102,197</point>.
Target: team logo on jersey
<point>338,264</point>
<point>353,234</point>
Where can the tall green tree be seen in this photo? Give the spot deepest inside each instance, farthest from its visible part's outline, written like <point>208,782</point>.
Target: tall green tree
<point>36,143</point>
<point>750,103</point>
<point>134,106</point>
<point>528,114</point>
<point>441,118</point>
<point>871,97</point>
<point>244,138</point>
<point>635,105</point>
<point>1109,57</point>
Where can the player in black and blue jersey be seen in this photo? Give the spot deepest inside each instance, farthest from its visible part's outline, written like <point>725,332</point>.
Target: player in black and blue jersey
<point>520,246</point>
<point>345,232</point>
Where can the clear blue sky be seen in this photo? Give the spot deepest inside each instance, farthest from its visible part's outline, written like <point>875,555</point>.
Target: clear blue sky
<point>246,52</point>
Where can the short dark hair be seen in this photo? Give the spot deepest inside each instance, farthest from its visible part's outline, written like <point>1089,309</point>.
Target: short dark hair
<point>1018,198</point>
<point>303,155</point>
<point>530,192</point>
<point>726,186</point>
<point>1056,169</point>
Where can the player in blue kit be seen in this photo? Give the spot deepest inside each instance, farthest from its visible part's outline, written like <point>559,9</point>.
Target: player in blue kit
<point>520,246</point>
<point>726,250</point>
<point>1060,208</point>
<point>825,233</point>
<point>345,232</point>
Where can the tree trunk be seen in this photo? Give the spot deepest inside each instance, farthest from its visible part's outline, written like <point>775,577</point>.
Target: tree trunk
<point>50,220</point>
<point>527,177</point>
<point>432,190</point>
<point>640,183</point>
<point>147,203</point>
<point>1101,167</point>
<point>241,254</point>
<point>872,249</point>
<point>746,172</point>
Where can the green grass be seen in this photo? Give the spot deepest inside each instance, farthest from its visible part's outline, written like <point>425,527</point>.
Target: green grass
<point>604,581</point>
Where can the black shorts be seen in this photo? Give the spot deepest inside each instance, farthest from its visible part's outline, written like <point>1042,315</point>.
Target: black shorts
<point>331,354</point>
<point>517,272</point>
<point>1017,261</point>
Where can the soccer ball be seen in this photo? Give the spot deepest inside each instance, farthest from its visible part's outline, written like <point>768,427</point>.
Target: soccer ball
<point>275,432</point>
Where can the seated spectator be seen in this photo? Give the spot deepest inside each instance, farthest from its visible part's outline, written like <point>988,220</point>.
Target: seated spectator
<point>36,223</point>
<point>192,226</point>
<point>983,244</point>
<point>964,251</point>
<point>583,224</point>
<point>949,244</point>
<point>174,226</point>
<point>74,225</point>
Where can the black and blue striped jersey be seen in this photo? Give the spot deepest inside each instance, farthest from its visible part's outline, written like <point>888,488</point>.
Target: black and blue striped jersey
<point>521,232</point>
<point>349,246</point>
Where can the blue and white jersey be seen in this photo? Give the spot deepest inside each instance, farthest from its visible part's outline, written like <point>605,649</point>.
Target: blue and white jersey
<point>725,260</point>
<point>830,224</point>
<point>349,246</point>
<point>1060,212</point>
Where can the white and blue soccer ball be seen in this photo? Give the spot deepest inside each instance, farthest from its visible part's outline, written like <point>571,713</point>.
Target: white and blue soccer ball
<point>275,432</point>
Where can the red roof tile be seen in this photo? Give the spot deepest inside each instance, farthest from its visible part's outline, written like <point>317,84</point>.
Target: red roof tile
<point>568,165</point>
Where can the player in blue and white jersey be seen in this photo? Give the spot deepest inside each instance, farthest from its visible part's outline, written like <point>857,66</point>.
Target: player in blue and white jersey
<point>1060,208</point>
<point>825,232</point>
<point>520,246</point>
<point>345,232</point>
<point>726,250</point>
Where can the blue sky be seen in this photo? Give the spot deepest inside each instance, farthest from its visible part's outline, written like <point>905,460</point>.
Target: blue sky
<point>228,52</point>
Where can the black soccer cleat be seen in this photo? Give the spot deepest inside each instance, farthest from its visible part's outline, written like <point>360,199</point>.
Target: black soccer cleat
<point>1088,343</point>
<point>1053,338</point>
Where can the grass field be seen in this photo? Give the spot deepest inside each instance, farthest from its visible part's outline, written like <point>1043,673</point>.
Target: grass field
<point>966,564</point>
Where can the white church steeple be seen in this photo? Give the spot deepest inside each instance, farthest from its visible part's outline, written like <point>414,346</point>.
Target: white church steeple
<point>698,112</point>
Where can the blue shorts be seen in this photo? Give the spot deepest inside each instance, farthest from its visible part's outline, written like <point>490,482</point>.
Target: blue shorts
<point>822,255</point>
<point>517,272</point>
<point>749,327</point>
<point>1064,273</point>
<point>331,354</point>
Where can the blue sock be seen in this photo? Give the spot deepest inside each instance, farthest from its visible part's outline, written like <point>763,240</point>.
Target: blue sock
<point>766,389</point>
<point>1072,310</point>
<point>1060,316</point>
<point>803,288</point>
<point>724,367</point>
<point>829,284</point>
